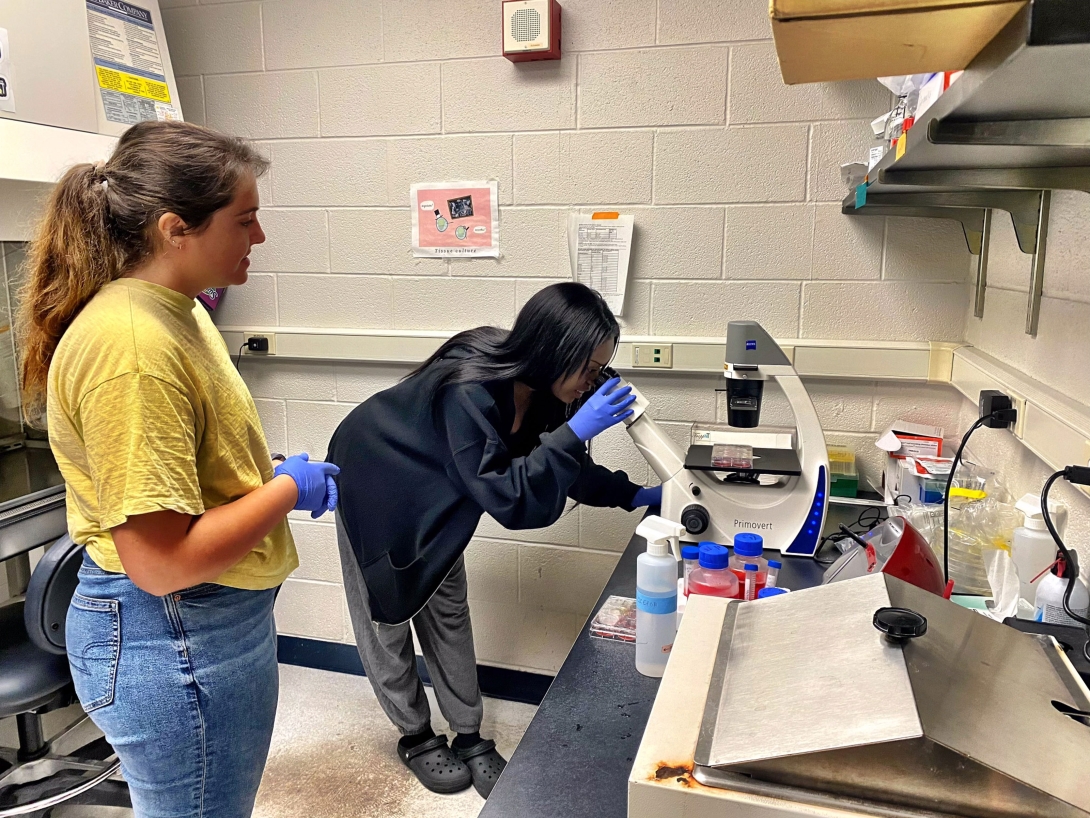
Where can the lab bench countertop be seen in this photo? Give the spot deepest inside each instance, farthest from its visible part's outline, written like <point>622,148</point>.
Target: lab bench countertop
<point>575,756</point>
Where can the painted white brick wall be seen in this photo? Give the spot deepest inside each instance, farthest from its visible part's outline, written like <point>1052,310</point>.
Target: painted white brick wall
<point>1060,354</point>
<point>671,109</point>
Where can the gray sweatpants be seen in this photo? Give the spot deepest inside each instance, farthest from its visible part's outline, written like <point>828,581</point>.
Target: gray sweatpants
<point>446,638</point>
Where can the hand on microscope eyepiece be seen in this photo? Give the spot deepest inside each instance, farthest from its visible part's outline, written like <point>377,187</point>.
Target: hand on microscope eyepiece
<point>606,407</point>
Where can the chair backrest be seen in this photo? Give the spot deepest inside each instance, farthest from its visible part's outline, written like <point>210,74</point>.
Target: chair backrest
<point>49,594</point>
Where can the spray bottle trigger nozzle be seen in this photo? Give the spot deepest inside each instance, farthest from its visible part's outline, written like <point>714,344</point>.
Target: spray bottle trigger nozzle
<point>662,532</point>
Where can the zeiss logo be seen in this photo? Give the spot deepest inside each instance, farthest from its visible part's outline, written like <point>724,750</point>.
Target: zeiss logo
<point>751,345</point>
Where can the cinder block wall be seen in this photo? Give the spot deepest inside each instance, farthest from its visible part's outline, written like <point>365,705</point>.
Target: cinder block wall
<point>670,109</point>
<point>1058,357</point>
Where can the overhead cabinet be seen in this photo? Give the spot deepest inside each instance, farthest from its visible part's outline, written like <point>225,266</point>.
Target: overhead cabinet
<point>74,74</point>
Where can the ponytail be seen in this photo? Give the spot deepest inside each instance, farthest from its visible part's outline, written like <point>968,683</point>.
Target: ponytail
<point>99,226</point>
<point>71,258</point>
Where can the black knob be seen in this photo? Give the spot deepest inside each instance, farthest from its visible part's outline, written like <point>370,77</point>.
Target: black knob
<point>899,624</point>
<point>695,519</point>
<point>696,491</point>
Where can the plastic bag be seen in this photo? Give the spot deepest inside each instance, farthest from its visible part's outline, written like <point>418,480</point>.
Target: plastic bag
<point>1005,586</point>
<point>979,516</point>
<point>904,85</point>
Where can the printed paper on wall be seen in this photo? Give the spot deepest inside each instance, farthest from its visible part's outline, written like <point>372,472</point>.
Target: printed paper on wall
<point>455,220</point>
<point>128,66</point>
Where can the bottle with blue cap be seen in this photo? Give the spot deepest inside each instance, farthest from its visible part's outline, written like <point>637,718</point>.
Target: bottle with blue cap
<point>713,576</point>
<point>656,594</point>
<point>773,579</point>
<point>748,549</point>
<point>690,557</point>
<point>765,593</point>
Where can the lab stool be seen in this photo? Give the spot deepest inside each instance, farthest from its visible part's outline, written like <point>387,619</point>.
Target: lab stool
<point>65,775</point>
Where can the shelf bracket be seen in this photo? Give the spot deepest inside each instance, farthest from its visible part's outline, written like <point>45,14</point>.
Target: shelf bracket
<point>982,265</point>
<point>1023,206</point>
<point>1037,271</point>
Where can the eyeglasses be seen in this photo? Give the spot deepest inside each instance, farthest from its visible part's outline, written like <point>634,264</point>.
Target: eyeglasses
<point>594,370</point>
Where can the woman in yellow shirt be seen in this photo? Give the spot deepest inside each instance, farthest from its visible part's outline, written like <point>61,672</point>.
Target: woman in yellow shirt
<point>170,484</point>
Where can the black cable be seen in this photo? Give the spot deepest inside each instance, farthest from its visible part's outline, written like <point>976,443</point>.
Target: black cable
<point>860,523</point>
<point>238,360</point>
<point>1071,560</point>
<point>946,496</point>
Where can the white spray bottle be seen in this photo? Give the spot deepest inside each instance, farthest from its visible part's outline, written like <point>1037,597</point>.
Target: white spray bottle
<point>656,594</point>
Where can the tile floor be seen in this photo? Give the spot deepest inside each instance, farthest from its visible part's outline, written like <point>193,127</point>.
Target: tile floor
<point>333,753</point>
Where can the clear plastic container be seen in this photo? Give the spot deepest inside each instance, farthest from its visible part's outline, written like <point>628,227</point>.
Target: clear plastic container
<point>690,559</point>
<point>713,577</point>
<point>732,456</point>
<point>1034,550</point>
<point>932,489</point>
<point>1050,594</point>
<point>748,549</point>
<point>773,573</point>
<point>656,607</point>
<point>750,591</point>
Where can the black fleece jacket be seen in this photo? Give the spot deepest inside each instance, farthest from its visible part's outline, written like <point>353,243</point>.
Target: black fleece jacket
<point>416,478</point>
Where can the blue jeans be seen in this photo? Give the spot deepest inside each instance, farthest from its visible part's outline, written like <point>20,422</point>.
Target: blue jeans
<point>184,686</point>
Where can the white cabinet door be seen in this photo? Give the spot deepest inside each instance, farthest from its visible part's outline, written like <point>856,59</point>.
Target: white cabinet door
<point>50,56</point>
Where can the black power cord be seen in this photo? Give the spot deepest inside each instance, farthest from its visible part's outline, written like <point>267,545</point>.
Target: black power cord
<point>861,527</point>
<point>238,360</point>
<point>946,496</point>
<point>1080,475</point>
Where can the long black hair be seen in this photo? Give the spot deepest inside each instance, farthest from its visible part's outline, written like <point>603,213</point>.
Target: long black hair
<point>554,336</point>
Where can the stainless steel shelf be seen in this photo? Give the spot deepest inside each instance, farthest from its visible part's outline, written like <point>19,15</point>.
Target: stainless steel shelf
<point>1012,128</point>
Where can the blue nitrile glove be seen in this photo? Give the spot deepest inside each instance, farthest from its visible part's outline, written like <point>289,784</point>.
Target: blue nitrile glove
<point>648,497</point>
<point>602,410</point>
<point>317,491</point>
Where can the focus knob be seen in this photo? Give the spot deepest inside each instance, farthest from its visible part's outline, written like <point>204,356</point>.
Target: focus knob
<point>900,624</point>
<point>695,519</point>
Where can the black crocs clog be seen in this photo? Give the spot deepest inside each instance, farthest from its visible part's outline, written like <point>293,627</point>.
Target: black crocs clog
<point>484,763</point>
<point>435,766</point>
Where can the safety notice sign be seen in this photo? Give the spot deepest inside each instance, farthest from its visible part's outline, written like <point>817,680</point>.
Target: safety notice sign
<point>128,65</point>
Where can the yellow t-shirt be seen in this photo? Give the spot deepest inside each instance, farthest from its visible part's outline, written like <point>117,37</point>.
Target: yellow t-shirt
<point>148,413</point>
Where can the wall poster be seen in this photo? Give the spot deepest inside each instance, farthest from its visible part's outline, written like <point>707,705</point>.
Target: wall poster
<point>455,219</point>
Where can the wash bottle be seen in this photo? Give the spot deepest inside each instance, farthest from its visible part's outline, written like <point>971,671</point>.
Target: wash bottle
<point>656,594</point>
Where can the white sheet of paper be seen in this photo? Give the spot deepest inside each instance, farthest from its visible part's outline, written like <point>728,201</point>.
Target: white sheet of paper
<point>600,251</point>
<point>7,80</point>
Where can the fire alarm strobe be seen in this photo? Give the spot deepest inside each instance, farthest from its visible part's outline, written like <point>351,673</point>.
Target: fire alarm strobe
<point>531,30</point>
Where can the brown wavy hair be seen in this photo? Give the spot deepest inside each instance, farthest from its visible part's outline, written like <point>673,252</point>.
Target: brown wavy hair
<point>99,225</point>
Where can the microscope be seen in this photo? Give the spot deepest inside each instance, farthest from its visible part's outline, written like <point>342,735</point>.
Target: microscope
<point>781,493</point>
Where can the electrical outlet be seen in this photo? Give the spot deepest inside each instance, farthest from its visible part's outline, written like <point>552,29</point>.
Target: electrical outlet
<point>653,355</point>
<point>254,343</point>
<point>1086,452</point>
<point>1018,428</point>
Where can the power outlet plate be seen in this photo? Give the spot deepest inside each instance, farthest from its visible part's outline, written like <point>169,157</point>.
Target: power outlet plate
<point>1019,426</point>
<point>660,356</point>
<point>246,336</point>
<point>1086,452</point>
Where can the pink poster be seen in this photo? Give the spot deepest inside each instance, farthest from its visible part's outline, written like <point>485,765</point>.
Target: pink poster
<point>455,219</point>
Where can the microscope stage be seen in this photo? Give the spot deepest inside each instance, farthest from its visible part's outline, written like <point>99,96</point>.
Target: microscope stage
<point>765,461</point>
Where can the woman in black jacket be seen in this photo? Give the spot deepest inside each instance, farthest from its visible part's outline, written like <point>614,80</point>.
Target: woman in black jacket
<point>487,424</point>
